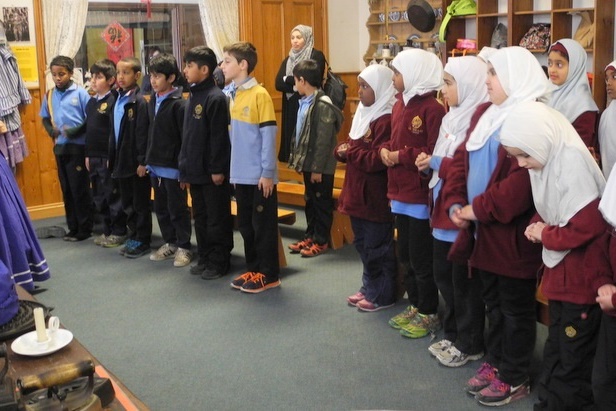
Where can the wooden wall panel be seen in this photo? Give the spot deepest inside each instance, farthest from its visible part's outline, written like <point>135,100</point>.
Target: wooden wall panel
<point>351,104</point>
<point>38,175</point>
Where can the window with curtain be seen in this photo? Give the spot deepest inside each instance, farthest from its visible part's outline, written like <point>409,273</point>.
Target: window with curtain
<point>115,30</point>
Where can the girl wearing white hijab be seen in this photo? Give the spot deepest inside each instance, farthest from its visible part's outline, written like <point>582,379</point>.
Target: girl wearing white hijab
<point>603,375</point>
<point>415,122</point>
<point>364,193</point>
<point>463,324</point>
<point>489,196</point>
<point>571,95</point>
<point>567,185</point>
<point>607,124</point>
<point>302,48</point>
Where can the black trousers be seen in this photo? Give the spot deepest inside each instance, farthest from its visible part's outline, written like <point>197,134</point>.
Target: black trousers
<point>172,212</point>
<point>75,185</point>
<point>213,224</point>
<point>510,340</point>
<point>604,369</point>
<point>415,256</point>
<point>375,244</point>
<point>319,208</point>
<point>258,223</point>
<point>135,193</point>
<point>464,315</point>
<point>568,355</point>
<point>106,197</point>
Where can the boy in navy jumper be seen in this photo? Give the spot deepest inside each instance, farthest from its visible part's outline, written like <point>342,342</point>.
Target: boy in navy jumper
<point>166,114</point>
<point>104,192</point>
<point>64,113</point>
<point>127,147</point>
<point>204,164</point>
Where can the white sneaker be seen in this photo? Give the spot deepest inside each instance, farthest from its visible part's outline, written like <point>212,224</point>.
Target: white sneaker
<point>100,240</point>
<point>165,252</point>
<point>453,357</point>
<point>438,347</point>
<point>183,257</point>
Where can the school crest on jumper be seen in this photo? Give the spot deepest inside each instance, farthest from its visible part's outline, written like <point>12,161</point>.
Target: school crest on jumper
<point>246,111</point>
<point>131,114</point>
<point>198,111</point>
<point>368,136</point>
<point>103,108</point>
<point>416,124</point>
<point>570,331</point>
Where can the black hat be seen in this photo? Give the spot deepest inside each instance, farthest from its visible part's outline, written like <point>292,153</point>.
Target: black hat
<point>421,15</point>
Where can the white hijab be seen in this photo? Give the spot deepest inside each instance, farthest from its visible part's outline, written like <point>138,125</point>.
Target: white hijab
<point>470,75</point>
<point>421,70</point>
<point>486,52</point>
<point>522,79</point>
<point>607,134</point>
<point>379,79</point>
<point>570,178</point>
<point>573,97</point>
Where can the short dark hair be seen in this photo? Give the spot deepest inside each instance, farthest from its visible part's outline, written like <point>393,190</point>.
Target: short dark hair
<point>243,50</point>
<point>133,62</point>
<point>164,63</point>
<point>63,61</point>
<point>104,66</point>
<point>309,70</point>
<point>203,56</point>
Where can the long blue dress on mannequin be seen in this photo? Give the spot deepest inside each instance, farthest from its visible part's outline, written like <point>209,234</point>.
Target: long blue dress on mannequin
<point>21,258</point>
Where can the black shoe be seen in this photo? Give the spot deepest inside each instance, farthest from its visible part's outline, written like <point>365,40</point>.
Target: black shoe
<point>197,269</point>
<point>79,237</point>
<point>213,272</point>
<point>138,250</point>
<point>541,405</point>
<point>70,236</point>
<point>50,232</point>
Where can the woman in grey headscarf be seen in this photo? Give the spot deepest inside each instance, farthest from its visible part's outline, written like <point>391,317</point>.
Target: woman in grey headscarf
<point>302,48</point>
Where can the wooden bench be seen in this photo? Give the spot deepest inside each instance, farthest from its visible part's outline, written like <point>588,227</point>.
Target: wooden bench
<point>341,232</point>
<point>285,174</point>
<point>285,216</point>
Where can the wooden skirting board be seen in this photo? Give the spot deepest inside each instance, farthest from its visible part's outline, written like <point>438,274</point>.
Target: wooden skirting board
<point>46,211</point>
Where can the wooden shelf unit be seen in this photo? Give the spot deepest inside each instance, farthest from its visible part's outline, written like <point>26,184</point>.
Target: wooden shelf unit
<point>519,15</point>
<point>381,26</point>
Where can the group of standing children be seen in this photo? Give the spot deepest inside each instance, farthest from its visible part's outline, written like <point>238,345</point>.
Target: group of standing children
<point>488,200</point>
<point>482,198</point>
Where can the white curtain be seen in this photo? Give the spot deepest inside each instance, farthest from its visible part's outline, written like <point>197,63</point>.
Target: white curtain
<point>63,24</point>
<point>220,21</point>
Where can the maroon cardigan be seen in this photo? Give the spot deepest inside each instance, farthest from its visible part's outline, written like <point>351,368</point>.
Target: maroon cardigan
<point>579,275</point>
<point>586,126</point>
<point>503,211</point>
<point>414,130</point>
<point>364,191</point>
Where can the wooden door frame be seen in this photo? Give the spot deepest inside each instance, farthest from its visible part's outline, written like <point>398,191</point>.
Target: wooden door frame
<point>246,25</point>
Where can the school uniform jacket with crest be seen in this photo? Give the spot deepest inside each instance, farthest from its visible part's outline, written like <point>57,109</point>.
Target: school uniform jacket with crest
<point>98,125</point>
<point>497,244</point>
<point>586,267</point>
<point>364,191</point>
<point>414,130</point>
<point>129,151</point>
<point>165,133</point>
<point>206,148</point>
